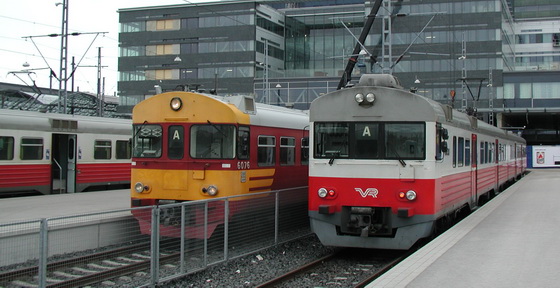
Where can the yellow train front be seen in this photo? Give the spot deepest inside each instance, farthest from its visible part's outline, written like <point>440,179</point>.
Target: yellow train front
<point>190,146</point>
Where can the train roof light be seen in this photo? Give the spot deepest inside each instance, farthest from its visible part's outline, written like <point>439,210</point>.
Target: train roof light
<point>176,104</point>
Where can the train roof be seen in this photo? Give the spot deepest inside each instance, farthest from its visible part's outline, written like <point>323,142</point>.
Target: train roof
<point>63,123</point>
<point>267,115</point>
<point>257,113</point>
<point>395,104</point>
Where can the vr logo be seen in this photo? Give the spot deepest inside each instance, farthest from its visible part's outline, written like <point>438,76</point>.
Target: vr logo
<point>369,192</point>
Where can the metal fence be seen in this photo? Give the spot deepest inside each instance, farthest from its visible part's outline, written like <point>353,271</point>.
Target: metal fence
<point>172,240</point>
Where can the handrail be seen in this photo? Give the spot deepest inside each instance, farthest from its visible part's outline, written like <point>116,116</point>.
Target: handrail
<point>59,175</point>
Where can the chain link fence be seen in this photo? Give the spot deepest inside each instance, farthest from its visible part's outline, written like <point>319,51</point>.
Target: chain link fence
<point>158,243</point>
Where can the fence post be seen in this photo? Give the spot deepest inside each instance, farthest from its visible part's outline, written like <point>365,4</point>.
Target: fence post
<point>43,252</point>
<point>226,229</point>
<point>205,234</point>
<point>276,217</point>
<point>182,257</point>
<point>154,247</point>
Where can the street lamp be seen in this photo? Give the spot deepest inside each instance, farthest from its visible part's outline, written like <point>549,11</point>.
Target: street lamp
<point>278,86</point>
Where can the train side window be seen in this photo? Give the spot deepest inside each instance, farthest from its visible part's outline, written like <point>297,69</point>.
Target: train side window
<point>491,157</point>
<point>266,151</point>
<point>102,149</point>
<point>486,153</point>
<point>124,149</point>
<point>461,152</point>
<point>243,143</point>
<point>482,154</point>
<point>305,151</point>
<point>467,152</point>
<point>287,151</point>
<point>6,148</point>
<point>31,149</point>
<point>176,142</point>
<point>454,151</point>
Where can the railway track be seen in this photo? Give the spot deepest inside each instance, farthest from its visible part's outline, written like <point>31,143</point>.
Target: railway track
<point>342,268</point>
<point>85,270</point>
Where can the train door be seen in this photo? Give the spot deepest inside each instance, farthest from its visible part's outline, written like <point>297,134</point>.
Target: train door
<point>474,171</point>
<point>63,174</point>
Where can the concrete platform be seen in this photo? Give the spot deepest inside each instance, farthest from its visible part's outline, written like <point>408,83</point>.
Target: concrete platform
<point>49,206</point>
<point>511,241</point>
<point>76,222</point>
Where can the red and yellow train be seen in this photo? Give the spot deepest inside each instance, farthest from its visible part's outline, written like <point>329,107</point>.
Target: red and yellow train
<point>191,146</point>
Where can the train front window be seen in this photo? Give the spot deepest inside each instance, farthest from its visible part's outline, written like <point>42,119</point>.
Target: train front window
<point>213,141</point>
<point>147,141</point>
<point>332,140</point>
<point>370,140</point>
<point>405,140</point>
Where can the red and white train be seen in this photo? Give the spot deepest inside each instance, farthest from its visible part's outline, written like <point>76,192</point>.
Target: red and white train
<point>44,153</point>
<point>388,166</point>
<point>191,146</point>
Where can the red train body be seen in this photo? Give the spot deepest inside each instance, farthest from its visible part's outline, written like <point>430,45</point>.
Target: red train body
<point>388,166</point>
<point>44,153</point>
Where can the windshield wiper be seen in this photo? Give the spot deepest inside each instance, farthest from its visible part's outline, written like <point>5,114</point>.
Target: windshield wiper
<point>333,155</point>
<point>398,156</point>
<point>217,128</point>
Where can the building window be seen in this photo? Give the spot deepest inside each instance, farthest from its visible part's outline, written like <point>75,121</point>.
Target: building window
<point>169,49</point>
<point>162,74</point>
<point>189,73</point>
<point>163,25</point>
<point>133,27</point>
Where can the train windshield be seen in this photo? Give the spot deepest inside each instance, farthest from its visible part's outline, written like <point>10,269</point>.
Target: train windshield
<point>147,141</point>
<point>212,141</point>
<point>370,140</point>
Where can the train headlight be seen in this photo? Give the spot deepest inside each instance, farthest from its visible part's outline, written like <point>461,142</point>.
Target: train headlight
<point>409,195</point>
<point>140,188</point>
<point>326,193</point>
<point>366,100</point>
<point>211,190</point>
<point>176,104</point>
<point>359,98</point>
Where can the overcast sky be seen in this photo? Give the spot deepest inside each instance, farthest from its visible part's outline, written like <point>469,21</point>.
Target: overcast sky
<point>24,18</point>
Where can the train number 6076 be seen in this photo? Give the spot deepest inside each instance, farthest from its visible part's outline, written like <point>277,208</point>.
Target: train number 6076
<point>243,165</point>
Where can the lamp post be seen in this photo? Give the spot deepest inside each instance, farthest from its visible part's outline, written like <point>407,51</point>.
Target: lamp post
<point>278,86</point>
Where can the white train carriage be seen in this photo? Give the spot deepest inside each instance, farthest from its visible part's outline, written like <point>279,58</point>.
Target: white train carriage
<point>56,153</point>
<point>388,164</point>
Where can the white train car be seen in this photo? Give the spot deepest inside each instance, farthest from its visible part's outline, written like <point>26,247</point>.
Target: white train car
<point>389,167</point>
<point>43,153</point>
